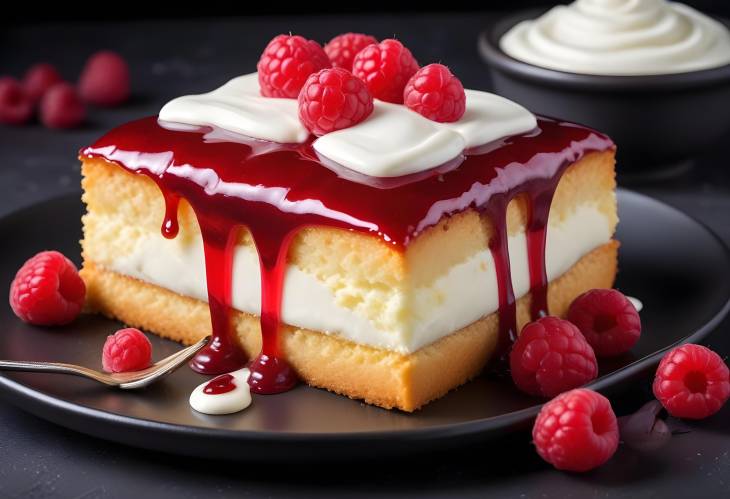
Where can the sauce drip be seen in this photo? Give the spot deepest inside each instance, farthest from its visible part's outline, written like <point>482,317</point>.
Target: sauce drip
<point>170,226</point>
<point>222,354</point>
<point>274,190</point>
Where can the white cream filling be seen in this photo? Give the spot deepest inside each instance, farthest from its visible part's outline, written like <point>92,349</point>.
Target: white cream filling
<point>467,292</point>
<point>391,142</point>
<point>620,37</point>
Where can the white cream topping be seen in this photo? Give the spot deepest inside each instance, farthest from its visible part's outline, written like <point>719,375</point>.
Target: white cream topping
<point>620,37</point>
<point>223,403</point>
<point>239,107</point>
<point>391,142</point>
<point>467,292</point>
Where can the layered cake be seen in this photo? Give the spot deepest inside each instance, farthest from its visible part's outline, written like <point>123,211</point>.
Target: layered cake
<point>387,261</point>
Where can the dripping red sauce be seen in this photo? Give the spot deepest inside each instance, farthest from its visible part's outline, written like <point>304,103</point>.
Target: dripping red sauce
<point>220,384</point>
<point>170,226</point>
<point>274,190</point>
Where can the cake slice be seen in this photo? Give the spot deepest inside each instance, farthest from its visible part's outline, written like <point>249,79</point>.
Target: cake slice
<point>390,290</point>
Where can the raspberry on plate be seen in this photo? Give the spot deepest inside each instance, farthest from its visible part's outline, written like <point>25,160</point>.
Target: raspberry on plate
<point>385,68</point>
<point>104,80</point>
<point>551,356</point>
<point>692,382</point>
<point>47,290</point>
<point>333,99</point>
<point>342,49</point>
<point>576,431</point>
<point>61,107</point>
<point>607,319</point>
<point>286,63</point>
<point>16,107</point>
<point>38,79</point>
<point>436,94</point>
<point>126,350</point>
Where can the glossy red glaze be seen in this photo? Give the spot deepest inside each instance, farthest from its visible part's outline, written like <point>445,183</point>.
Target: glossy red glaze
<point>220,384</point>
<point>276,189</point>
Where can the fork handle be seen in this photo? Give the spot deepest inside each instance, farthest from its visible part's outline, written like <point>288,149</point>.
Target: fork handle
<point>50,367</point>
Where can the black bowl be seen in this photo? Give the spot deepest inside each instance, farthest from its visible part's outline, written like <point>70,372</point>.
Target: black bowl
<point>657,121</point>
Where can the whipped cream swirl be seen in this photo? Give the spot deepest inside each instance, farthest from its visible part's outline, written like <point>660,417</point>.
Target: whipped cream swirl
<point>620,37</point>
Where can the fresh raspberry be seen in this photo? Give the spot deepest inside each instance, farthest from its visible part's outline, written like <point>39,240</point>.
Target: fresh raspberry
<point>342,49</point>
<point>385,68</point>
<point>104,80</point>
<point>38,79</point>
<point>126,350</point>
<point>692,382</point>
<point>333,99</point>
<point>16,107</point>
<point>47,290</point>
<point>61,107</point>
<point>436,94</point>
<point>576,431</point>
<point>607,319</point>
<point>286,63</point>
<point>551,356</point>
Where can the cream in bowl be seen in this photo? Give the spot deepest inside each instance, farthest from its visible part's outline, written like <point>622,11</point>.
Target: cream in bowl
<point>620,37</point>
<point>654,74</point>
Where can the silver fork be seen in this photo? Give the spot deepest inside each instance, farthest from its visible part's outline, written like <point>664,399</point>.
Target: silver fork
<point>125,381</point>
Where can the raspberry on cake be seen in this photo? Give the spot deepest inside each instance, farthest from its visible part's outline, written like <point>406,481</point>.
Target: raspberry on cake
<point>436,94</point>
<point>388,261</point>
<point>343,48</point>
<point>287,62</point>
<point>333,99</point>
<point>385,68</point>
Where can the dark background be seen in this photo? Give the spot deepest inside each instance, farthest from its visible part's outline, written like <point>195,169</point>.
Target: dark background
<point>188,54</point>
<point>136,10</point>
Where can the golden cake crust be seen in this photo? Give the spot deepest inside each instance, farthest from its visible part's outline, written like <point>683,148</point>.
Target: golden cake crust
<point>377,376</point>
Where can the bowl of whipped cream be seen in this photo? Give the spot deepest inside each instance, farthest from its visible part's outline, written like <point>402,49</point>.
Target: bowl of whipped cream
<point>654,75</point>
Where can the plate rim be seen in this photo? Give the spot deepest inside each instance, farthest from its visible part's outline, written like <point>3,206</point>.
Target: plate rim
<point>32,400</point>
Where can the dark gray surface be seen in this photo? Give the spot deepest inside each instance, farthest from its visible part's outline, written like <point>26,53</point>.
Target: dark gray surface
<point>38,459</point>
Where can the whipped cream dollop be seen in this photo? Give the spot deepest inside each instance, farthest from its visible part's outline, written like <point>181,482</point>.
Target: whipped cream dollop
<point>620,37</point>
<point>393,141</point>
<point>224,394</point>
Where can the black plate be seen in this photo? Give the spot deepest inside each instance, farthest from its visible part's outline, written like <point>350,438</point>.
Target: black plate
<point>676,266</point>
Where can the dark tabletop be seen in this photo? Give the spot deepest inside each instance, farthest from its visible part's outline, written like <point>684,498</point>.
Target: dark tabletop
<point>38,459</point>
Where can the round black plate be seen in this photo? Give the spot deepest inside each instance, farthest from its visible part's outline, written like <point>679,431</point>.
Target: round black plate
<point>676,266</point>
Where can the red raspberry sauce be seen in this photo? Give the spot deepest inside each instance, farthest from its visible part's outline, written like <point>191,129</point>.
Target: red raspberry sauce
<point>277,189</point>
<point>220,384</point>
